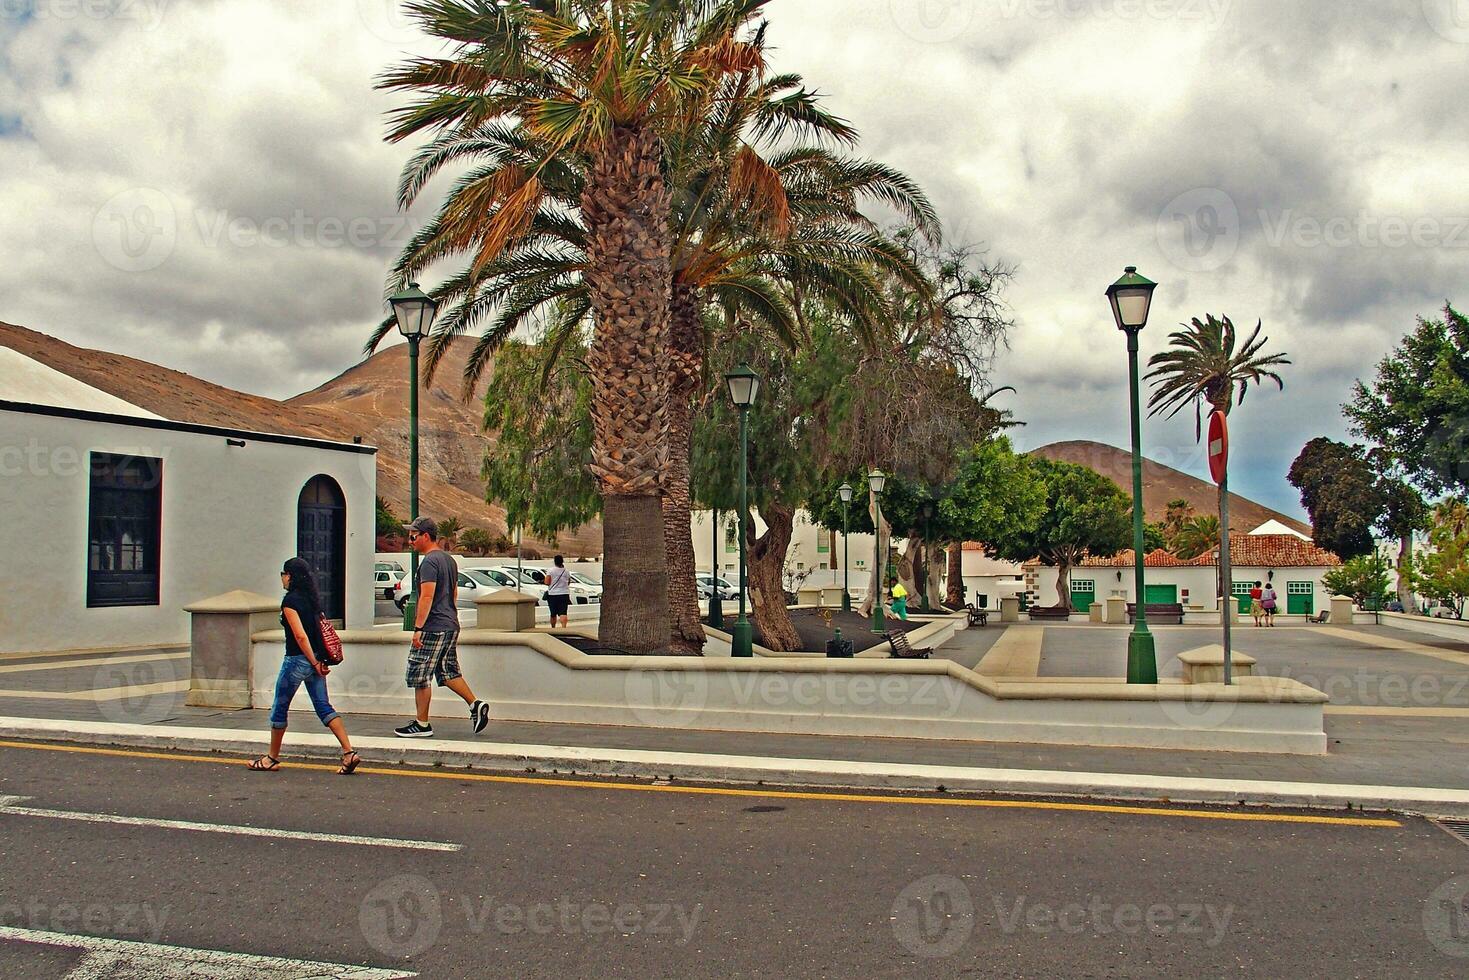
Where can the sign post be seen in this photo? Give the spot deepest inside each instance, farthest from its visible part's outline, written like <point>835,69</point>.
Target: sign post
<point>1219,470</point>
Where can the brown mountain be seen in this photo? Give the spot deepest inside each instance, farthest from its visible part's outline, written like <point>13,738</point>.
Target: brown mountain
<point>1164,483</point>
<point>369,400</point>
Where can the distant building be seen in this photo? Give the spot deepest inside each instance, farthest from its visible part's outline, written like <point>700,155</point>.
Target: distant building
<point>114,519</point>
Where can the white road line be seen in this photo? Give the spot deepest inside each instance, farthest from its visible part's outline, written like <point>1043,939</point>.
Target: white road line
<point>8,806</point>
<point>121,959</point>
<point>93,662</point>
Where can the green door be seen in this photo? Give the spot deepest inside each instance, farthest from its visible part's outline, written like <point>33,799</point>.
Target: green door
<point>1242,593</point>
<point>1160,595</point>
<point>1300,598</point>
<point>1083,594</point>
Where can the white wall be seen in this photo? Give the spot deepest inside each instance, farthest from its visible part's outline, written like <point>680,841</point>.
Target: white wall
<point>229,521</point>
<point>1199,582</point>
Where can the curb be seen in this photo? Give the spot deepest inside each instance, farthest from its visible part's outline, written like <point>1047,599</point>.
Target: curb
<point>513,758</point>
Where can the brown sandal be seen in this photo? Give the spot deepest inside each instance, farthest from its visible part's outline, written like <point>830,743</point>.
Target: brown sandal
<point>261,765</point>
<point>350,762</point>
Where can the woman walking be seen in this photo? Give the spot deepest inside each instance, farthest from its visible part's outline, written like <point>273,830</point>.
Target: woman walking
<point>303,664</point>
<point>558,591</point>
<point>1257,610</point>
<point>1268,602</point>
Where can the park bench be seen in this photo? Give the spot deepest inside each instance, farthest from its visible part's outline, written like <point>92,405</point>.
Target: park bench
<point>902,649</point>
<point>1323,617</point>
<point>1161,613</point>
<point>978,616</point>
<point>1049,612</point>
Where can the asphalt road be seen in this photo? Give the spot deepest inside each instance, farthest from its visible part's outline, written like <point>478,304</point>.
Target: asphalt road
<point>558,880</point>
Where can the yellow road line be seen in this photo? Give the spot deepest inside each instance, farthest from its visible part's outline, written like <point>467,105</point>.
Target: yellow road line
<point>749,793</point>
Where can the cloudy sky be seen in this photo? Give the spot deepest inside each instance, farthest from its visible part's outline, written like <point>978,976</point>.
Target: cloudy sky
<point>203,183</point>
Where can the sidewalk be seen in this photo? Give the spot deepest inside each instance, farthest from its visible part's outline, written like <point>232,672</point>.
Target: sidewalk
<point>1379,757</point>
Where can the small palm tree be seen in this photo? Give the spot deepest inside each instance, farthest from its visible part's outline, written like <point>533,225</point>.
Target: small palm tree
<point>1207,365</point>
<point>1196,536</point>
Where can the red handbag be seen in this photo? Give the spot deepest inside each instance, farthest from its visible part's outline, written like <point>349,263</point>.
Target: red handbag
<point>330,642</point>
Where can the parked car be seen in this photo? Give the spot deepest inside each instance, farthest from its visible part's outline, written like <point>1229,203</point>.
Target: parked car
<point>505,577</point>
<point>727,589</point>
<point>1442,612</point>
<point>384,579</point>
<point>471,587</point>
<point>591,586</point>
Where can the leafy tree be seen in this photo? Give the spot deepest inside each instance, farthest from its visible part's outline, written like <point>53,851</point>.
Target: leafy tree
<point>1175,516</point>
<point>1442,573</point>
<point>476,541</point>
<point>388,524</point>
<point>1364,578</point>
<point>1084,514</point>
<point>1341,492</point>
<point>1405,513</point>
<point>540,411</point>
<point>1199,535</point>
<point>996,496</point>
<point>1417,408</point>
<point>449,529</point>
<point>1154,537</point>
<point>589,91</point>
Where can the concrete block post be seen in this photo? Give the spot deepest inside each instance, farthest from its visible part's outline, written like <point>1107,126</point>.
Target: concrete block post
<point>1341,610</point>
<point>219,646</point>
<point>505,611</point>
<point>1010,609</point>
<point>1116,610</point>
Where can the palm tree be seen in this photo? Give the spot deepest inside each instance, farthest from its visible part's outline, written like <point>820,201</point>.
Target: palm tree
<point>757,223</point>
<point>585,88</point>
<point>1196,536</point>
<point>1207,365</point>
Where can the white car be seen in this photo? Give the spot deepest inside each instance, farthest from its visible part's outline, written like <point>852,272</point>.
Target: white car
<point>585,585</point>
<point>505,577</point>
<point>727,589</point>
<point>473,583</point>
<point>384,580</point>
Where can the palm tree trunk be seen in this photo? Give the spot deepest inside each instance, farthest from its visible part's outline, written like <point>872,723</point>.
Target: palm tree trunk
<point>625,206</point>
<point>686,344</point>
<point>955,598</point>
<point>767,586</point>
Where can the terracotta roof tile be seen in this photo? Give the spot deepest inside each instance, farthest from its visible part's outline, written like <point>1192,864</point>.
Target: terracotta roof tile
<point>1157,559</point>
<point>1278,551</point>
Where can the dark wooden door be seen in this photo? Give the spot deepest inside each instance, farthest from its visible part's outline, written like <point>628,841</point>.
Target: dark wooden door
<point>321,539</point>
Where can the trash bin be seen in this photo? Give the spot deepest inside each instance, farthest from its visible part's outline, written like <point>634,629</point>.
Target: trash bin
<point>838,648</point>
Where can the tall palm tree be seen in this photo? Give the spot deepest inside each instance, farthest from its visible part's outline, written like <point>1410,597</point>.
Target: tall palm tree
<point>1207,366</point>
<point>591,86</point>
<point>757,219</point>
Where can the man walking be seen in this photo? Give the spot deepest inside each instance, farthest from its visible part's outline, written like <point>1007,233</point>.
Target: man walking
<point>435,652</point>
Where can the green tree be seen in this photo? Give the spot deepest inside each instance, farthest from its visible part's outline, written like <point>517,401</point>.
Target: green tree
<point>1364,578</point>
<point>1442,573</point>
<point>1085,514</point>
<point>1417,407</point>
<point>591,89</point>
<point>995,496</point>
<point>388,524</point>
<point>1341,492</point>
<point>1175,516</point>
<point>1405,514</point>
<point>476,541</point>
<point>449,529</point>
<point>1199,535</point>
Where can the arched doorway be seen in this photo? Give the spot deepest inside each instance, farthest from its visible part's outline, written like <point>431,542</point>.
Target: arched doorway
<point>321,539</point>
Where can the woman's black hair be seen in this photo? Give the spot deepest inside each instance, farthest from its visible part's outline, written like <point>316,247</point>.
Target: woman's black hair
<point>303,581</point>
<point>560,562</point>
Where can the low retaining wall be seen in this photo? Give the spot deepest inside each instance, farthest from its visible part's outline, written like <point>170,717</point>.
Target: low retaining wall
<point>536,678</point>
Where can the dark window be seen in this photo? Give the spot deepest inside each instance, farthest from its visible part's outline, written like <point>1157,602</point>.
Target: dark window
<point>124,519</point>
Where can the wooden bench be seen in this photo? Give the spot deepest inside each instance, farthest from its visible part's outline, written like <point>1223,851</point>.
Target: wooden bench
<point>1049,612</point>
<point>978,616</point>
<point>1162,613</point>
<point>1323,617</point>
<point>902,649</point>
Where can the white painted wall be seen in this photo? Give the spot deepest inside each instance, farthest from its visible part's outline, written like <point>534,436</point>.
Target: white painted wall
<point>229,521</point>
<point>1200,584</point>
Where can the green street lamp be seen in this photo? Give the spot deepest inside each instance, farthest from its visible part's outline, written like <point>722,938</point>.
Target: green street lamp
<point>415,311</point>
<point>876,481</point>
<point>845,492</point>
<point>744,385</point>
<point>1131,298</point>
<point>716,603</point>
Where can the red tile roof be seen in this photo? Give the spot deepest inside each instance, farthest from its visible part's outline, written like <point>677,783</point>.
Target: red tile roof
<point>1278,551</point>
<point>1158,559</point>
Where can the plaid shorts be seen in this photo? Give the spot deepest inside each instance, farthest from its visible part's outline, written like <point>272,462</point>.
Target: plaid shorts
<point>438,657</point>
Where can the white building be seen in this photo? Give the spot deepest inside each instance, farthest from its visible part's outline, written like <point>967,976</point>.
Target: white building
<point>114,519</point>
<point>815,552</point>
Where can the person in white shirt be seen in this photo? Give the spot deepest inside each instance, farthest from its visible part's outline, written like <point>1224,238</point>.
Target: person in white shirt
<point>558,591</point>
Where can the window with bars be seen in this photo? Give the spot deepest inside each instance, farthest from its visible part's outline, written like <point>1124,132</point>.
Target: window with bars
<point>1300,588</point>
<point>124,513</point>
<point>1242,588</point>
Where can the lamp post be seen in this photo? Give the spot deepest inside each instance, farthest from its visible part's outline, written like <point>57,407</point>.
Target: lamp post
<point>876,480</point>
<point>415,311</point>
<point>716,602</point>
<point>744,385</point>
<point>1131,297</point>
<point>927,512</point>
<point>845,492</point>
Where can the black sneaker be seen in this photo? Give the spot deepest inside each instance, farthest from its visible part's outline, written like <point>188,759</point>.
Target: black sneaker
<point>479,715</point>
<point>414,730</point>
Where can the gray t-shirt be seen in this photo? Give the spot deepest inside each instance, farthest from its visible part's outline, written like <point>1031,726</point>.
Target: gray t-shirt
<point>558,582</point>
<point>439,568</point>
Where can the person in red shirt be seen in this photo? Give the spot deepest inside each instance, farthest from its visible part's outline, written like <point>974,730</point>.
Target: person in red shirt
<point>1257,609</point>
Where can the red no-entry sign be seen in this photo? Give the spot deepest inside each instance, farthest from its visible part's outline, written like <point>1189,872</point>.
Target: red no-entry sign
<point>1218,446</point>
